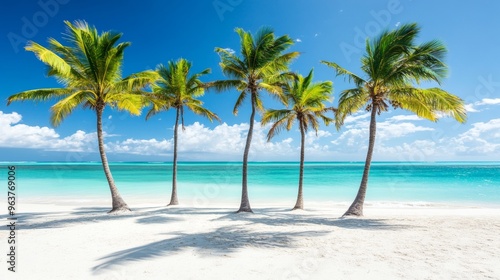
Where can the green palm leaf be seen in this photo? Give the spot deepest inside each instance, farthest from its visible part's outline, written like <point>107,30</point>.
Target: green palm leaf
<point>175,88</point>
<point>307,102</point>
<point>38,95</point>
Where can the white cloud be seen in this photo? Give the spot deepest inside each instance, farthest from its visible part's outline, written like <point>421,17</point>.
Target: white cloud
<point>196,142</point>
<point>229,50</point>
<point>223,142</point>
<point>388,130</point>
<point>489,101</point>
<point>312,136</point>
<point>110,117</point>
<point>471,107</point>
<point>298,40</point>
<point>399,118</point>
<point>140,147</point>
<point>18,135</point>
<point>419,150</point>
<point>357,134</point>
<point>482,138</point>
<point>226,142</point>
<point>398,24</point>
<point>356,117</point>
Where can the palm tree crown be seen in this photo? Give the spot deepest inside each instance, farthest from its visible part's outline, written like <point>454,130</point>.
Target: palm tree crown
<point>89,68</point>
<point>307,101</point>
<point>261,66</point>
<point>394,65</point>
<point>174,88</point>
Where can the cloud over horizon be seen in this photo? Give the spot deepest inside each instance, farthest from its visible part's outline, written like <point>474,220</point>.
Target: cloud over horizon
<point>226,142</point>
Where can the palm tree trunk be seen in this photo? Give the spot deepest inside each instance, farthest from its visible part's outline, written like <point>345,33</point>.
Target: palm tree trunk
<point>173,199</point>
<point>245,203</point>
<point>117,201</point>
<point>300,198</point>
<point>356,208</point>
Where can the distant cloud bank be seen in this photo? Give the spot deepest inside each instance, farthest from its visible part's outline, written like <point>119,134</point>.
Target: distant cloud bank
<point>398,138</point>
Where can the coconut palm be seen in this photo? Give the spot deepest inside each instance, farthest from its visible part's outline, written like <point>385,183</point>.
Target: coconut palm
<point>261,66</point>
<point>89,68</point>
<point>306,100</point>
<point>176,89</point>
<point>394,65</point>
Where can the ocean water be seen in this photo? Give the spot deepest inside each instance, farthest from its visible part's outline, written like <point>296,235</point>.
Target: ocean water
<point>202,183</point>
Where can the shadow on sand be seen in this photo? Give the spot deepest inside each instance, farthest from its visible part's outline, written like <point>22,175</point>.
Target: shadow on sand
<point>228,239</point>
<point>145,215</point>
<point>278,217</point>
<point>223,239</point>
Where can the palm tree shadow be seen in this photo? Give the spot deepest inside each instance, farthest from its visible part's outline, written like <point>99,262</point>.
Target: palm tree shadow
<point>224,240</point>
<point>285,217</point>
<point>145,215</point>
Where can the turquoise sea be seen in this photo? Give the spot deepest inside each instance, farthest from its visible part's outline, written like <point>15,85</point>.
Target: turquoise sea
<point>201,183</point>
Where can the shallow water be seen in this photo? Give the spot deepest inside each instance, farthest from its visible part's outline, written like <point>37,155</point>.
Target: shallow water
<point>475,183</point>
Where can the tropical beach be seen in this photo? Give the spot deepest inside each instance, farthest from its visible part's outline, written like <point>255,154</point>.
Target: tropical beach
<point>80,241</point>
<point>413,232</point>
<point>258,141</point>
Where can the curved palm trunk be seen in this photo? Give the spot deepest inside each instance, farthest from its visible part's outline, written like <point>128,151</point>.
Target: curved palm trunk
<point>300,198</point>
<point>356,208</point>
<point>117,201</point>
<point>173,198</point>
<point>245,203</point>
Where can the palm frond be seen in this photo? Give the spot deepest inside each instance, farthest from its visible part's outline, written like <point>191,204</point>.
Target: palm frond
<point>64,107</point>
<point>224,85</point>
<point>130,102</point>
<point>273,115</point>
<point>55,62</point>
<point>175,87</point>
<point>136,81</point>
<point>276,128</point>
<point>278,65</point>
<point>427,103</point>
<point>89,67</point>
<point>350,101</point>
<point>343,72</point>
<point>38,95</point>
<point>258,103</point>
<point>200,110</point>
<point>239,102</point>
<point>261,63</point>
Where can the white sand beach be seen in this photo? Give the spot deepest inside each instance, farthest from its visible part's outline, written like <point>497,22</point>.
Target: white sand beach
<point>81,241</point>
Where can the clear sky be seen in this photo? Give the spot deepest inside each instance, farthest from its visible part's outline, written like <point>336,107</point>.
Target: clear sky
<point>322,29</point>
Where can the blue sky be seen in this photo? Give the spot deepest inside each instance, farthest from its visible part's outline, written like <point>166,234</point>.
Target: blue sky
<point>323,30</point>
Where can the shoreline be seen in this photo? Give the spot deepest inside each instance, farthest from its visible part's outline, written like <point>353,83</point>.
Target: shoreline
<point>145,201</point>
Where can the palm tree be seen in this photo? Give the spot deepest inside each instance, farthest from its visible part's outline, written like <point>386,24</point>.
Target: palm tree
<point>394,65</point>
<point>307,101</point>
<point>176,89</point>
<point>90,71</point>
<point>261,66</point>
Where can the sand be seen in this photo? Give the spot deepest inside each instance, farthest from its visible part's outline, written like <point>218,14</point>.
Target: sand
<point>80,241</point>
